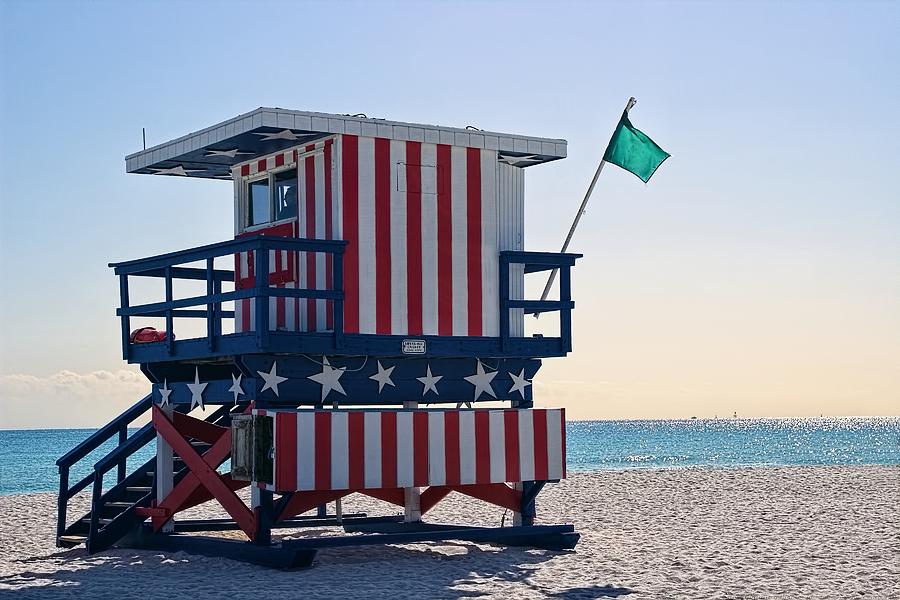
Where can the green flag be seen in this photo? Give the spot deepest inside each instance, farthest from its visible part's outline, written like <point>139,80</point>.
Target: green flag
<point>630,149</point>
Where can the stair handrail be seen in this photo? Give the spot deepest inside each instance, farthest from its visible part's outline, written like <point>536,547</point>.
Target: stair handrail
<point>118,426</point>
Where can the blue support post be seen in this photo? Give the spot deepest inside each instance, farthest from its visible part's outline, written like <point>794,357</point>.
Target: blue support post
<point>125,319</point>
<point>565,315</point>
<point>170,334</point>
<point>62,502</point>
<point>261,264</point>
<point>338,279</point>
<point>504,302</point>
<point>210,312</point>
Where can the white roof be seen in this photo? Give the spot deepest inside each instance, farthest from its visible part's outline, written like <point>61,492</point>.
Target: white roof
<point>208,153</point>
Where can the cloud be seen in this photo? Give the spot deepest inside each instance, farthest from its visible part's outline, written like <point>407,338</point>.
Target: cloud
<point>68,399</point>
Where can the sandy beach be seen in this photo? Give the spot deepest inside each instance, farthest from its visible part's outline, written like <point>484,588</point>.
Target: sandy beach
<point>792,532</point>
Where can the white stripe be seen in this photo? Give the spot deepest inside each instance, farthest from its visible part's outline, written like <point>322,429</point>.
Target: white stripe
<point>306,450</point>
<point>252,314</point>
<point>340,451</point>
<point>372,450</point>
<point>404,449</point>
<point>490,304</point>
<point>467,446</point>
<point>238,316</point>
<point>458,226</point>
<point>319,165</point>
<point>437,465</point>
<point>526,445</point>
<point>497,446</point>
<point>366,237</point>
<point>429,241</point>
<point>399,309</point>
<point>555,450</point>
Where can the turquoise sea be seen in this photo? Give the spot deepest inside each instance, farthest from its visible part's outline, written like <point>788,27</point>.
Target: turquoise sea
<point>27,457</point>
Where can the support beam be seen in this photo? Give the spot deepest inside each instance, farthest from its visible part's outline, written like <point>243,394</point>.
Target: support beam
<point>165,469</point>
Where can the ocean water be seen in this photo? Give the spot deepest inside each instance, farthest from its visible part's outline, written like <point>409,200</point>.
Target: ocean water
<point>28,457</point>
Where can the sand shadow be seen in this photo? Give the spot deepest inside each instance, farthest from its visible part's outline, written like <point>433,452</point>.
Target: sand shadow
<point>428,570</point>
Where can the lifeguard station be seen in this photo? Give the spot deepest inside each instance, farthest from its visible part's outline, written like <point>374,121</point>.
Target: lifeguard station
<point>370,303</point>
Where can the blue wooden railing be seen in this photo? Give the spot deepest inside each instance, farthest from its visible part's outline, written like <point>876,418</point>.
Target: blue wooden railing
<point>127,445</point>
<point>535,262</point>
<point>166,266</point>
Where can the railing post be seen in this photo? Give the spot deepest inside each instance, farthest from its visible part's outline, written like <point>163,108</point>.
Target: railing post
<point>170,335</point>
<point>123,437</point>
<point>210,312</point>
<point>97,492</point>
<point>338,277</point>
<point>261,258</point>
<point>62,502</point>
<point>565,315</point>
<point>125,319</point>
<point>504,302</point>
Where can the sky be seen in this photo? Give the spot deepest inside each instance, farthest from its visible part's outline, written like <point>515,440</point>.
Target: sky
<point>758,272</point>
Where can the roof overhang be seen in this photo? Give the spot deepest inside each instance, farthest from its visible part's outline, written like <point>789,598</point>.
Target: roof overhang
<point>211,153</point>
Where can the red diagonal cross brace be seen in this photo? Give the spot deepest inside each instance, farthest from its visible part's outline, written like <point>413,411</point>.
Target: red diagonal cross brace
<point>202,474</point>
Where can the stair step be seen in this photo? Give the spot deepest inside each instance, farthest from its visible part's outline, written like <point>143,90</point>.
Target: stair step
<point>101,521</point>
<point>138,488</point>
<point>119,504</point>
<point>72,540</point>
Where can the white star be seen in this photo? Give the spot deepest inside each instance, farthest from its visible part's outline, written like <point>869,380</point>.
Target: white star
<point>430,381</point>
<point>515,160</point>
<point>227,153</point>
<point>236,387</point>
<point>197,390</point>
<point>482,381</point>
<point>287,134</point>
<point>383,377</point>
<point>329,379</point>
<point>164,393</point>
<point>519,383</point>
<point>271,379</point>
<point>176,170</point>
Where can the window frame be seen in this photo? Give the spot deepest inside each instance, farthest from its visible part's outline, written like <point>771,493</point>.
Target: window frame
<point>269,177</point>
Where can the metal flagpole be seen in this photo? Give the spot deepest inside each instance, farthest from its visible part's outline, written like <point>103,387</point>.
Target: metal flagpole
<point>587,196</point>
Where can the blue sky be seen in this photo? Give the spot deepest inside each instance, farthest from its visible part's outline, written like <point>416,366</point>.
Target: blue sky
<point>756,272</point>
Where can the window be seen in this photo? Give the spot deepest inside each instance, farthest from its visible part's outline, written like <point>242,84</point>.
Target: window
<point>286,194</point>
<point>258,196</point>
<point>272,198</point>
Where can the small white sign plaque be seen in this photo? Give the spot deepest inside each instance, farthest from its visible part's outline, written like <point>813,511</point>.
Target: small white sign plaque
<point>413,347</point>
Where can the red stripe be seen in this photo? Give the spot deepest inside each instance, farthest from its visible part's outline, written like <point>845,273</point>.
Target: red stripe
<point>356,435</point>
<point>389,449</point>
<point>261,165</point>
<point>562,437</point>
<point>350,185</point>
<point>310,234</point>
<point>482,446</point>
<point>414,236</point>
<point>451,446</point>
<point>279,160</point>
<point>323,449</point>
<point>286,466</point>
<point>540,444</point>
<point>329,235</point>
<point>444,242</point>
<point>245,170</point>
<point>382,236</point>
<point>420,448</point>
<point>473,237</point>
<point>511,433</point>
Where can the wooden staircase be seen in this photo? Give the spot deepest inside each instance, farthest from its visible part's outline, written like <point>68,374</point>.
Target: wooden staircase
<point>114,512</point>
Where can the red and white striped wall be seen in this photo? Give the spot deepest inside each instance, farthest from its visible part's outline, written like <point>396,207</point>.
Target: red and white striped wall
<point>421,220</point>
<point>317,209</point>
<point>338,450</point>
<point>423,225</point>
